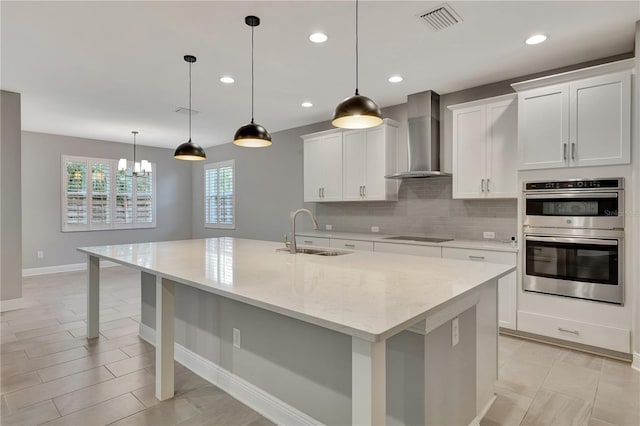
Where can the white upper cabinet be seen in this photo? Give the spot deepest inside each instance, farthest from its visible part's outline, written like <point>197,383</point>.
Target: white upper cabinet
<point>583,120</point>
<point>369,155</point>
<point>484,148</point>
<point>323,167</point>
<point>350,165</point>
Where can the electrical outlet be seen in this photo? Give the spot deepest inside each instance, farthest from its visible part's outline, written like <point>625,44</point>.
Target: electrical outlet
<point>375,229</point>
<point>489,235</point>
<point>236,338</point>
<point>455,332</point>
<point>328,227</point>
<point>40,254</point>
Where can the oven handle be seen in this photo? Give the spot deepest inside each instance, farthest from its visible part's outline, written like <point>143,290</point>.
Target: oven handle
<point>571,195</point>
<point>573,240</point>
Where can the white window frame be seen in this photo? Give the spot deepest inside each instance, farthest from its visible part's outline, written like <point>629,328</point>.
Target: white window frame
<point>113,170</point>
<point>218,165</point>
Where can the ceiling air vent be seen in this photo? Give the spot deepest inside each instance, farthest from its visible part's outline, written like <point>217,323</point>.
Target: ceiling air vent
<point>440,17</point>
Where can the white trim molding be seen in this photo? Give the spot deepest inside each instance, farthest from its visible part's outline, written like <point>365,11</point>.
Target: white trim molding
<point>29,272</point>
<point>264,403</point>
<point>12,304</point>
<point>636,361</point>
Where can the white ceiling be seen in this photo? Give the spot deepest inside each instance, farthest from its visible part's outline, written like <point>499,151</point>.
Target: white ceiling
<point>101,69</point>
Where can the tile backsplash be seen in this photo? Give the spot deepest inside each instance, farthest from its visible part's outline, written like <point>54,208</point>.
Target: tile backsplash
<point>424,207</point>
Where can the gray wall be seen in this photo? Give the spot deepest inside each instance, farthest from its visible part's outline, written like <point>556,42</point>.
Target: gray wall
<point>268,186</point>
<point>10,194</point>
<point>41,189</point>
<point>636,171</point>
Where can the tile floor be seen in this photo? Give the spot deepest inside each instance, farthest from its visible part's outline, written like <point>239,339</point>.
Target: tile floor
<point>50,373</point>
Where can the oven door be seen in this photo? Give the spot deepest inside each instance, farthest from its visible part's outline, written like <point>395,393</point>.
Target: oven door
<point>580,209</point>
<point>580,267</point>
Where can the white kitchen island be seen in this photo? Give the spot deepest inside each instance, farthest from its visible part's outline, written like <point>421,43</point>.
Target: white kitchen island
<point>369,297</point>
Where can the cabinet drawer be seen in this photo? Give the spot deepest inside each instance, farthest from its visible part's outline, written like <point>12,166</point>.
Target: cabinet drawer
<point>427,251</point>
<point>352,244</point>
<point>601,336</point>
<point>479,255</point>
<point>312,241</point>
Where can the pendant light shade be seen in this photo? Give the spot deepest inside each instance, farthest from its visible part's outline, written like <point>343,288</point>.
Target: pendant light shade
<point>189,151</point>
<point>252,135</point>
<point>357,111</point>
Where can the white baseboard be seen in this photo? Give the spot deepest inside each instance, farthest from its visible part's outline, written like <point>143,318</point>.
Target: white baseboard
<point>481,414</point>
<point>636,361</point>
<point>12,304</point>
<point>29,272</point>
<point>264,403</point>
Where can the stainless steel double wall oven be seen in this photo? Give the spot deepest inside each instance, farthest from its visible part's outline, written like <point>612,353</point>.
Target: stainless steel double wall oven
<point>574,238</point>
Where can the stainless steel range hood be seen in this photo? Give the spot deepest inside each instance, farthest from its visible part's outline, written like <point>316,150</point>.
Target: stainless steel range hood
<point>423,137</point>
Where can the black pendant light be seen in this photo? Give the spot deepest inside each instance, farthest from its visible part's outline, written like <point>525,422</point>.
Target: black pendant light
<point>189,150</point>
<point>252,135</point>
<point>357,111</point>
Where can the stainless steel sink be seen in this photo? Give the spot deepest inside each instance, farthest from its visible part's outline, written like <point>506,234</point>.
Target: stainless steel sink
<point>317,252</point>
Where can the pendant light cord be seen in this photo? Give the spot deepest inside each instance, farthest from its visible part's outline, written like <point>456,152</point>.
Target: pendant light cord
<point>190,101</point>
<point>252,77</point>
<point>357,48</point>
<point>134,149</point>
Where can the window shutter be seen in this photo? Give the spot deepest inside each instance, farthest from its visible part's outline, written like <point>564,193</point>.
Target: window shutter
<point>144,198</point>
<point>76,193</point>
<point>101,194</point>
<point>124,199</point>
<point>219,196</point>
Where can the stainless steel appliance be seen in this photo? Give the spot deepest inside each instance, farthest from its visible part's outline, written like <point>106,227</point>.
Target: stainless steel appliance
<point>575,203</point>
<point>574,238</point>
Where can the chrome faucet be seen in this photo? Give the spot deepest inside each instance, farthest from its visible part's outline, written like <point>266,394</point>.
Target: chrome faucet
<point>292,246</point>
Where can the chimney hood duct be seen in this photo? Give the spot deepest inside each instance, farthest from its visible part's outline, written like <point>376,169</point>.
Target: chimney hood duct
<point>423,137</point>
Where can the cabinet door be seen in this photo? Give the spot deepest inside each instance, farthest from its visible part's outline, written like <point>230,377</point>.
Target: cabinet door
<point>375,164</point>
<point>469,140</point>
<point>502,147</point>
<point>601,120</point>
<point>543,127</point>
<point>312,169</point>
<point>331,166</point>
<point>354,170</point>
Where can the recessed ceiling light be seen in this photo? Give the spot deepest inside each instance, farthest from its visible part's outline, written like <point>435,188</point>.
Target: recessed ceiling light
<point>226,79</point>
<point>307,104</point>
<point>318,37</point>
<point>536,39</point>
<point>395,79</point>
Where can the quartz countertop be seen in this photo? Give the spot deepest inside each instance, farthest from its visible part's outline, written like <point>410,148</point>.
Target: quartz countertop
<point>369,295</point>
<point>383,238</point>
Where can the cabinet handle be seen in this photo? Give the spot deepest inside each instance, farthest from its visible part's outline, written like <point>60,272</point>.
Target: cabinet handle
<point>573,150</point>
<point>564,151</point>
<point>322,192</point>
<point>482,185</point>
<point>350,245</point>
<point>476,257</point>
<point>488,184</point>
<point>308,242</point>
<point>364,190</point>
<point>361,190</point>
<point>576,332</point>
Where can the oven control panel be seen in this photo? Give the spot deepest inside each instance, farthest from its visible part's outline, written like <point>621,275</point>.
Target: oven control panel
<point>614,183</point>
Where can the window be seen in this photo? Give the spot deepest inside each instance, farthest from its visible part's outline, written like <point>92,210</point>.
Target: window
<point>219,195</point>
<point>95,196</point>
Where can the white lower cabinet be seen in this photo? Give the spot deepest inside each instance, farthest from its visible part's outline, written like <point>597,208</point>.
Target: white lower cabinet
<point>301,240</point>
<point>352,244</point>
<point>507,285</point>
<point>416,250</point>
<point>602,336</point>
